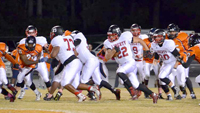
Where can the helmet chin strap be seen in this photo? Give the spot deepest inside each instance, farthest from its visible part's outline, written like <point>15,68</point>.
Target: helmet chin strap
<point>160,44</point>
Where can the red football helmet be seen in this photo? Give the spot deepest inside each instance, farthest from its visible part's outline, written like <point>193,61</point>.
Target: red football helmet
<point>135,30</point>
<point>159,36</point>
<point>31,31</point>
<point>113,33</point>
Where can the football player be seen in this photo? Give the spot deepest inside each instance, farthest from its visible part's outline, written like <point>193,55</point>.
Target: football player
<point>30,54</point>
<point>41,67</point>
<point>15,71</point>
<point>91,64</point>
<point>137,49</point>
<point>166,51</point>
<point>69,76</point>
<point>181,42</point>
<point>102,66</point>
<point>118,46</point>
<point>193,52</point>
<point>149,64</point>
<point>3,77</point>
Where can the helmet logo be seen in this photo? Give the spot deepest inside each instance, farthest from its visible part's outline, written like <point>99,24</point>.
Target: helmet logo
<point>30,41</point>
<point>54,30</point>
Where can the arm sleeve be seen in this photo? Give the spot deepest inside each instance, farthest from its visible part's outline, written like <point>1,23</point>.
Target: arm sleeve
<point>189,61</point>
<point>156,56</point>
<point>77,42</point>
<point>175,52</point>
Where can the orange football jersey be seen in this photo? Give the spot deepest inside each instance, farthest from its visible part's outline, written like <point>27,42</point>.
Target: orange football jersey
<point>17,58</point>
<point>2,51</point>
<point>184,39</point>
<point>148,43</point>
<point>50,48</point>
<point>48,56</point>
<point>195,50</point>
<point>31,55</point>
<point>180,47</point>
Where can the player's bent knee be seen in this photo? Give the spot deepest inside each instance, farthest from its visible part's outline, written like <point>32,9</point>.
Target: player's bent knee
<point>165,80</point>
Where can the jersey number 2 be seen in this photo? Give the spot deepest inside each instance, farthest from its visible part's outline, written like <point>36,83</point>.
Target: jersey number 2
<point>123,53</point>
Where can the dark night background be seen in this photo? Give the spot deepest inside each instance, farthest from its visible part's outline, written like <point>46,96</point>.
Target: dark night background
<point>93,17</point>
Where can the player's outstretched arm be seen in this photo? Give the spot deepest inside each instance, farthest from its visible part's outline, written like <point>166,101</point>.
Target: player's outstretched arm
<point>138,40</point>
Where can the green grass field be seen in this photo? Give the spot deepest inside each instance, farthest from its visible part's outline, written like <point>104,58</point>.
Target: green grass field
<point>68,104</point>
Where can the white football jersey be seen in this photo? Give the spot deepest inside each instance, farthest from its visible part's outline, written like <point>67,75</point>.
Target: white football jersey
<point>164,51</point>
<point>124,43</point>
<point>83,52</point>
<point>137,48</point>
<point>66,47</point>
<point>39,40</point>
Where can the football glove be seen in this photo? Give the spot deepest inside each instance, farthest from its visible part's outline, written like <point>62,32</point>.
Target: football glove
<point>147,54</point>
<point>16,66</point>
<point>117,49</point>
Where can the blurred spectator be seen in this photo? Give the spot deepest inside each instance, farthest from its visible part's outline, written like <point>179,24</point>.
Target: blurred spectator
<point>90,48</point>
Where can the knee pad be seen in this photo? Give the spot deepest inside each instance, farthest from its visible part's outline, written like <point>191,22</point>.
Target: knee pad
<point>122,76</point>
<point>48,84</point>
<point>20,84</point>
<point>165,80</point>
<point>165,88</point>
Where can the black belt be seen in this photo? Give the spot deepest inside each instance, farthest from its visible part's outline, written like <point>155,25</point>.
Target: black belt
<point>71,58</point>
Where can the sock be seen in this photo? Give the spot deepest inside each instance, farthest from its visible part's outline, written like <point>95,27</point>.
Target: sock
<point>173,89</point>
<point>36,91</point>
<point>106,85</point>
<point>125,79</point>
<point>76,93</point>
<point>143,88</point>
<point>127,88</point>
<point>165,88</point>
<point>33,86</point>
<point>183,89</point>
<point>189,85</point>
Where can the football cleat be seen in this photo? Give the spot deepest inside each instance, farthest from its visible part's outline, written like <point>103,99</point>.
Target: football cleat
<point>134,97</point>
<point>12,97</point>
<point>6,97</point>
<point>81,97</point>
<point>176,94</point>
<point>117,94</point>
<point>184,95</point>
<point>138,93</point>
<point>57,97</point>
<point>21,95</point>
<point>193,96</point>
<point>91,95</point>
<point>160,96</point>
<point>169,97</point>
<point>38,96</point>
<point>154,96</point>
<point>96,90</point>
<point>178,97</point>
<point>48,99</point>
<point>14,91</point>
